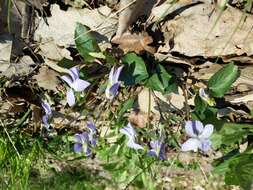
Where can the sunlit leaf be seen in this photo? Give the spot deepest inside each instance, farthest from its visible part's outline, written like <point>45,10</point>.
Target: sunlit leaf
<point>221,81</point>
<point>135,69</point>
<point>86,44</point>
<point>160,80</point>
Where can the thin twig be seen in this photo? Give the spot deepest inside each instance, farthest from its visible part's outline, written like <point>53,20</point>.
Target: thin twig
<point>149,107</point>
<point>10,139</point>
<point>202,171</point>
<point>187,108</point>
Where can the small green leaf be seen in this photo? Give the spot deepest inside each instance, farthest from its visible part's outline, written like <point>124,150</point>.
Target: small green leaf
<point>221,81</point>
<point>232,132</point>
<point>160,80</point>
<point>86,44</point>
<point>135,70</point>
<point>126,105</point>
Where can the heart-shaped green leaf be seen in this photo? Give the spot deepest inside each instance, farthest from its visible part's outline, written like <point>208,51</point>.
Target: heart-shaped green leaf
<point>160,80</point>
<point>221,81</point>
<point>135,70</point>
<point>86,44</point>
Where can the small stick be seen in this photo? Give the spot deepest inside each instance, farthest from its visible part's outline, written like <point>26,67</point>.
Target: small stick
<point>202,171</point>
<point>187,108</point>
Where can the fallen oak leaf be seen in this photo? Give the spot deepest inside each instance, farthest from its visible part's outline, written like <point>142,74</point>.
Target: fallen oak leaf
<point>134,42</point>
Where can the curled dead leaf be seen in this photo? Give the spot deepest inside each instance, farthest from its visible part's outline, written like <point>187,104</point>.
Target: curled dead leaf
<point>138,119</point>
<point>135,42</point>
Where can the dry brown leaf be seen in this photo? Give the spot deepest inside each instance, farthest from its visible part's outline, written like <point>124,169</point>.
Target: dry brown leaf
<point>47,78</point>
<point>143,102</point>
<point>5,48</point>
<point>62,30</point>
<point>244,99</point>
<point>49,49</point>
<point>192,26</point>
<point>241,59</point>
<point>138,119</point>
<point>135,42</point>
<point>206,70</point>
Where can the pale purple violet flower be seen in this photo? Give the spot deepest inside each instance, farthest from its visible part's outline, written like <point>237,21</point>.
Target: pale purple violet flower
<point>199,136</point>
<point>82,143</point>
<point>75,84</point>
<point>131,134</point>
<point>48,114</point>
<point>84,140</point>
<point>113,83</point>
<point>157,149</point>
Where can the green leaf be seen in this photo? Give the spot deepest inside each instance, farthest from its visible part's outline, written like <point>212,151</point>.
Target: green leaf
<point>231,133</point>
<point>86,44</point>
<point>216,139</point>
<point>200,105</point>
<point>135,70</point>
<point>241,172</point>
<point>110,166</point>
<point>221,165</point>
<point>221,81</point>
<point>126,105</point>
<point>160,80</point>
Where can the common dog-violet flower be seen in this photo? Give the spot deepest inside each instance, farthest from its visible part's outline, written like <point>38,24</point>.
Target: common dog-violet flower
<point>113,83</point>
<point>82,143</point>
<point>84,140</point>
<point>75,84</point>
<point>48,114</point>
<point>199,136</point>
<point>157,149</point>
<point>131,134</point>
<point>202,93</point>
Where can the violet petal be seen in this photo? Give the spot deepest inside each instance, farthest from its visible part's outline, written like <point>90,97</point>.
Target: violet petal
<point>191,144</point>
<point>207,131</point>
<point>74,73</point>
<point>128,131</point>
<point>67,79</point>
<point>193,128</point>
<point>78,147</point>
<point>70,97</point>
<point>132,144</point>
<point>80,85</point>
<point>116,75</point>
<point>205,145</point>
<point>46,107</point>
